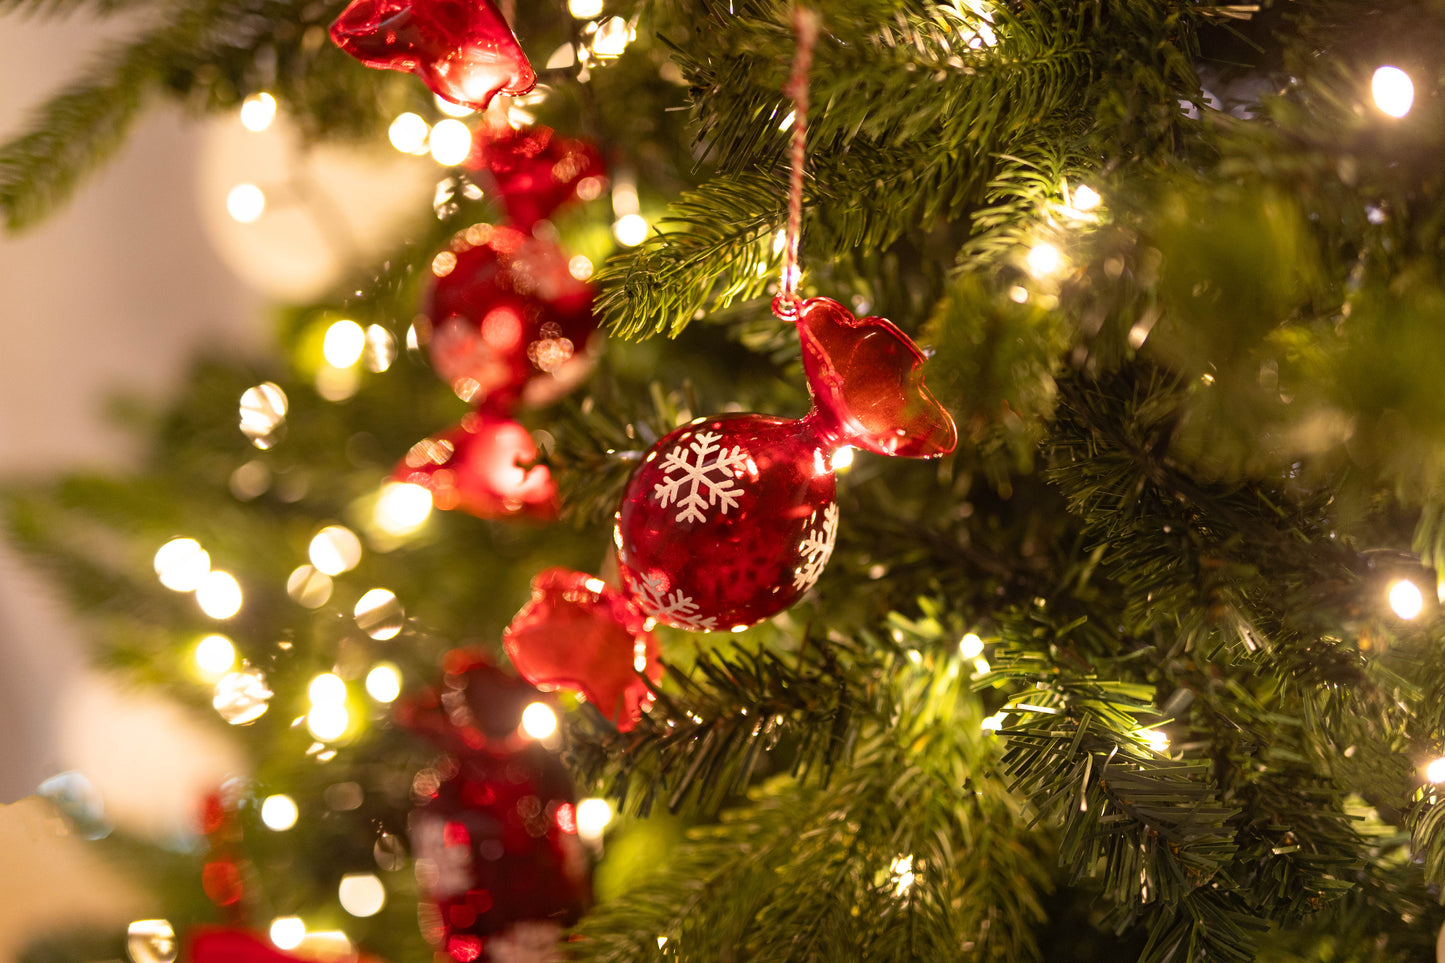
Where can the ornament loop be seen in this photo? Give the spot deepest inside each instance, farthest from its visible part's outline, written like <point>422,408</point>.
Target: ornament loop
<point>786,306</point>
<point>805,22</point>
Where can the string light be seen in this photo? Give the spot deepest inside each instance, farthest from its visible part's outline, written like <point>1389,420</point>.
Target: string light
<point>1155,739</point>
<point>214,656</point>
<point>343,344</point>
<point>408,133</point>
<point>219,595</point>
<point>279,812</point>
<point>287,932</point>
<point>1393,91</point>
<point>580,267</point>
<point>593,815</point>
<point>328,721</point>
<point>970,646</point>
<point>181,564</point>
<point>402,508</point>
<point>584,9</point>
<point>451,142</point>
<point>326,689</point>
<point>1086,198</point>
<point>1044,260</point>
<point>383,682</point>
<point>1435,771</point>
<point>630,230</point>
<point>612,37</point>
<point>1406,599</point>
<point>257,111</point>
<point>361,894</point>
<point>246,203</point>
<point>538,720</point>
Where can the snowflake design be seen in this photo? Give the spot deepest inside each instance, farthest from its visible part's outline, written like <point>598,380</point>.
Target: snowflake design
<point>817,547</point>
<point>675,607</point>
<point>709,482</point>
<point>452,863</point>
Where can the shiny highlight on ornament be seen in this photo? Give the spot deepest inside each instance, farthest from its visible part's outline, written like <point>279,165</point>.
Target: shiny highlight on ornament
<point>383,682</point>
<point>335,549</point>
<point>402,508</point>
<point>451,109</point>
<point>630,230</point>
<point>538,720</point>
<point>361,894</point>
<point>263,413</point>
<point>379,614</point>
<point>241,697</point>
<point>1406,599</point>
<point>279,812</point>
<point>408,133</point>
<point>219,595</point>
<point>245,203</point>
<point>151,941</point>
<point>593,815</point>
<point>214,656</point>
<point>343,344</point>
<point>1435,771</point>
<point>257,111</point>
<point>451,142</point>
<point>287,932</point>
<point>181,564</point>
<point>970,646</point>
<point>842,458</point>
<point>1393,91</point>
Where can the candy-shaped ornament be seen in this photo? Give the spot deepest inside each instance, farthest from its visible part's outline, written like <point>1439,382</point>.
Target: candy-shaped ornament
<point>486,466</point>
<point>498,861</point>
<point>535,172</point>
<point>462,49</point>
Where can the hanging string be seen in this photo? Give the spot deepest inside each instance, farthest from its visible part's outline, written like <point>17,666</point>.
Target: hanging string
<point>805,23</point>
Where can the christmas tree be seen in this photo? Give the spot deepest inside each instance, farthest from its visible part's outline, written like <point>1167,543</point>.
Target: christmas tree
<point>1145,667</point>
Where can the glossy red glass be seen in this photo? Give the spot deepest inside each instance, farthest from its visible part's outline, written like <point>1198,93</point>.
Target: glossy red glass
<point>508,321</point>
<point>224,944</point>
<point>477,708</point>
<point>484,466</point>
<point>535,171</point>
<point>462,49</point>
<point>576,633</point>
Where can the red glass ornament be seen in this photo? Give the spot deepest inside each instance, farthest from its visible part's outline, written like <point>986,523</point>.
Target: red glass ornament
<point>219,944</point>
<point>507,319</point>
<point>535,171</point>
<point>576,633</point>
<point>476,710</point>
<point>483,466</point>
<point>462,49</point>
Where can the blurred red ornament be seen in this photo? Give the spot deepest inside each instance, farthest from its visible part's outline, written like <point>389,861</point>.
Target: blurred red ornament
<point>483,466</point>
<point>576,633</point>
<point>217,944</point>
<point>536,172</point>
<point>462,49</point>
<point>508,320</point>
<point>498,861</point>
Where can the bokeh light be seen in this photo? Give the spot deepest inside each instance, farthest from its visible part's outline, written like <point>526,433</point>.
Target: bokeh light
<point>379,614</point>
<point>328,721</point>
<point>584,9</point>
<point>538,720</point>
<point>1435,771</point>
<point>593,815</point>
<point>1393,91</point>
<point>181,564</point>
<point>1406,599</point>
<point>408,133</point>
<point>335,549</point>
<point>219,595</point>
<point>241,697</point>
<point>257,111</point>
<point>402,508</point>
<point>361,894</point>
<point>287,932</point>
<point>151,941</point>
<point>451,142</point>
<point>383,682</point>
<point>630,230</point>
<point>246,203</point>
<point>326,689</point>
<point>970,646</point>
<point>214,656</point>
<point>343,344</point>
<point>279,812</point>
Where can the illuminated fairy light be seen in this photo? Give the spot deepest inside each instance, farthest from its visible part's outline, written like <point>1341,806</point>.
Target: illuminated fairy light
<point>328,721</point>
<point>181,564</point>
<point>1044,260</point>
<point>219,595</point>
<point>612,37</point>
<point>842,458</point>
<point>214,656</point>
<point>241,697</point>
<point>451,109</point>
<point>402,508</point>
<point>1393,91</point>
<point>257,112</point>
<point>538,720</point>
<point>1435,771</point>
<point>1406,599</point>
<point>593,815</point>
<point>361,894</point>
<point>383,682</point>
<point>995,722</point>
<point>1154,739</point>
<point>451,142</point>
<point>279,812</point>
<point>379,614</point>
<point>981,666</point>
<point>1086,198</point>
<point>901,869</point>
<point>327,689</point>
<point>970,646</point>
<point>334,550</point>
<point>408,133</point>
<point>630,230</point>
<point>287,932</point>
<point>246,203</point>
<point>584,9</point>
<point>580,267</point>
<point>343,344</point>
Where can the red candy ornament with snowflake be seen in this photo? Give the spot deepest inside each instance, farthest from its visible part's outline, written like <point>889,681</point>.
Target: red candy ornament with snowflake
<point>729,520</point>
<point>462,49</point>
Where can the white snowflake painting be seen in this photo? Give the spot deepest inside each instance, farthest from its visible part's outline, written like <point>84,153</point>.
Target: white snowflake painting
<point>700,475</point>
<point>817,547</point>
<point>674,608</point>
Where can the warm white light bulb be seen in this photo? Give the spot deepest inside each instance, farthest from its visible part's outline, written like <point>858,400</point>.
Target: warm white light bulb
<point>970,646</point>
<point>1044,260</point>
<point>257,111</point>
<point>538,720</point>
<point>279,812</point>
<point>1155,739</point>
<point>630,230</point>
<point>327,689</point>
<point>1435,771</point>
<point>245,203</point>
<point>181,564</point>
<point>402,508</point>
<point>214,656</point>
<point>584,9</point>
<point>1086,198</point>
<point>361,894</point>
<point>1393,90</point>
<point>287,932</point>
<point>408,133</point>
<point>383,682</point>
<point>593,815</point>
<point>219,595</point>
<point>1406,598</point>
<point>343,344</point>
<point>451,142</point>
<point>327,721</point>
